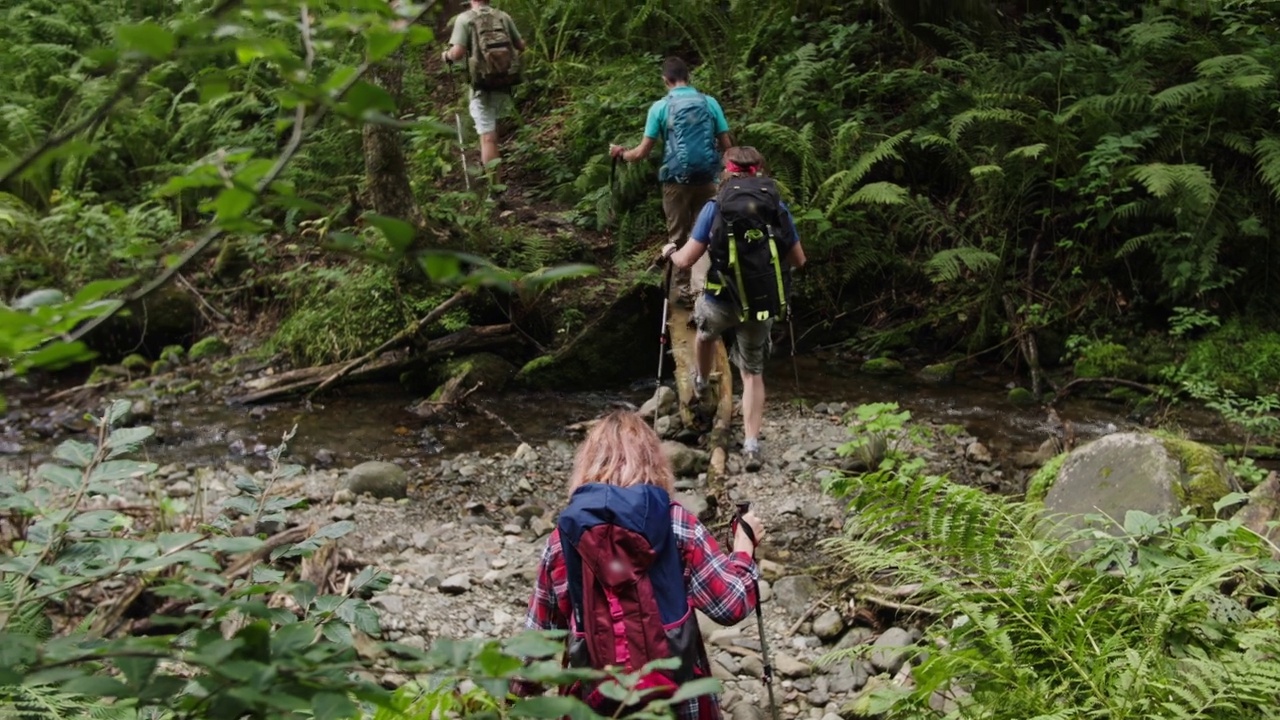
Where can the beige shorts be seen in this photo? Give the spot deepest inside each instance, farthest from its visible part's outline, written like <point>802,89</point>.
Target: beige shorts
<point>487,106</point>
<point>751,338</point>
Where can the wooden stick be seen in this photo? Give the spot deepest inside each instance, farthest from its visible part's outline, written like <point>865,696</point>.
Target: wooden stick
<point>400,337</point>
<point>903,607</point>
<point>1066,389</point>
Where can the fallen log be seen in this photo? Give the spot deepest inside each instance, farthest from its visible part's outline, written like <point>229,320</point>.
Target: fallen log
<point>682,350</point>
<point>472,339</point>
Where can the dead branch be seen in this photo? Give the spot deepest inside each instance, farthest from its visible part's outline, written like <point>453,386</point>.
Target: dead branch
<point>1066,389</point>
<point>400,338</point>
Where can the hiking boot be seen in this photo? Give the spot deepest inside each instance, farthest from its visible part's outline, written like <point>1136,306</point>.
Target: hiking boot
<point>699,387</point>
<point>685,297</point>
<point>751,461</point>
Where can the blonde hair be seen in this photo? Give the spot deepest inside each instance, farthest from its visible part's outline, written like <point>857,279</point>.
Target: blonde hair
<point>621,449</point>
<point>744,156</point>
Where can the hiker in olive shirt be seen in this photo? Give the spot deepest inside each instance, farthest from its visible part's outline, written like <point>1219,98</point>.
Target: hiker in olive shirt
<point>487,105</point>
<point>694,131</point>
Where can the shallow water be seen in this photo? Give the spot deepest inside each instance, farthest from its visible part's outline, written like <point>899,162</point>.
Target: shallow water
<point>356,423</point>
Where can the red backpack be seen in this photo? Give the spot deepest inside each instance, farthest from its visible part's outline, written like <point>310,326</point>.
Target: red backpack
<point>626,588</point>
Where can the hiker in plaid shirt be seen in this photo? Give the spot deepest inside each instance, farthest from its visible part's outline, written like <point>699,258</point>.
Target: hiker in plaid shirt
<point>623,450</point>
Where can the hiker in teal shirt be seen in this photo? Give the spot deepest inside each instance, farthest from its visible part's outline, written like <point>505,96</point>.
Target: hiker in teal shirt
<point>694,132</point>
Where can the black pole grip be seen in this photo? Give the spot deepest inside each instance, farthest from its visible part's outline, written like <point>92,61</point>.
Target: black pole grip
<point>743,509</point>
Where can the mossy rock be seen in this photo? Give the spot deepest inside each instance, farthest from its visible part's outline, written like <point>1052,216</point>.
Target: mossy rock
<point>938,373</point>
<point>209,347</point>
<point>1039,484</point>
<point>882,366</point>
<point>1108,360</point>
<point>173,354</point>
<point>165,318</point>
<point>487,368</point>
<point>103,373</point>
<point>619,345</point>
<point>135,362</point>
<point>1155,473</point>
<point>1206,477</point>
<point>1022,397</point>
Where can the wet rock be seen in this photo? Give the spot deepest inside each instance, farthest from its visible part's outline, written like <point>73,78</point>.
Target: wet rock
<point>881,366</point>
<point>751,666</point>
<point>379,479</point>
<point>524,455</point>
<point>891,650</point>
<point>938,374</point>
<point>142,410</point>
<point>342,512</point>
<point>180,489</point>
<point>747,711</point>
<point>663,403</point>
<point>855,637</point>
<point>685,461</point>
<point>848,676</point>
<point>344,496</point>
<point>324,457</point>
<point>828,625</point>
<point>701,505</point>
<point>1021,397</point>
<point>978,453</point>
<point>795,593</point>
<point>668,426</point>
<point>455,584</point>
<point>789,667</point>
<point>9,447</point>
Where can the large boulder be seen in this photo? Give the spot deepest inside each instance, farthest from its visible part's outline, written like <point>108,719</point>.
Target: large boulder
<point>685,461</point>
<point>1157,474</point>
<point>379,479</point>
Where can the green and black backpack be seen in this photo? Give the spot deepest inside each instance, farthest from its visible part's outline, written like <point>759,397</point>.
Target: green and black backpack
<point>746,257</point>
<point>495,61</point>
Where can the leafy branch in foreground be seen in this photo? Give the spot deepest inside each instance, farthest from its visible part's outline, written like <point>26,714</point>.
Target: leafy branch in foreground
<point>1165,618</point>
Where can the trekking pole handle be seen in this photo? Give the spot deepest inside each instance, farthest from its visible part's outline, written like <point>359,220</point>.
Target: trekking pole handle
<point>743,509</point>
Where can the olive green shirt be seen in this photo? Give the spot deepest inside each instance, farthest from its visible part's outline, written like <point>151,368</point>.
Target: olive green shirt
<point>462,28</point>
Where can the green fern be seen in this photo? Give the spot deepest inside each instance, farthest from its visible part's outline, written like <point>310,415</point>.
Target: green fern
<point>1267,151</point>
<point>951,264</point>
<point>1193,182</point>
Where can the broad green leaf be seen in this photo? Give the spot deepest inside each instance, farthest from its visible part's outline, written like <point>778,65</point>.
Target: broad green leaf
<point>238,544</point>
<point>117,411</point>
<point>332,706</point>
<point>549,708</point>
<point>126,440</point>
<point>111,470</point>
<point>232,203</point>
<point>75,453</point>
<point>137,670</point>
<point>147,38</point>
<point>381,42</point>
<point>534,644</point>
<point>696,688</point>
<point>61,475</point>
<point>97,521</point>
<point>398,232</point>
<point>335,530</point>
<point>291,638</point>
<point>493,662</point>
<point>364,98</point>
<point>548,276</point>
<point>96,686</point>
<point>336,632</point>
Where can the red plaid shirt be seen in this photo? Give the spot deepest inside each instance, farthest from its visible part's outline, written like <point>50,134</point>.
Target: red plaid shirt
<point>721,586</point>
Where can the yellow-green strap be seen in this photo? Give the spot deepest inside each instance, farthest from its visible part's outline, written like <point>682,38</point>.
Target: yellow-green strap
<point>737,273</point>
<point>777,271</point>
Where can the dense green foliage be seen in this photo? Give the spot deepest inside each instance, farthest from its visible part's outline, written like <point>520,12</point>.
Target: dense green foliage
<point>1158,618</point>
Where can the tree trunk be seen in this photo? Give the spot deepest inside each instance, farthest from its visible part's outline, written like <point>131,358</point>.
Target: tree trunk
<point>384,158</point>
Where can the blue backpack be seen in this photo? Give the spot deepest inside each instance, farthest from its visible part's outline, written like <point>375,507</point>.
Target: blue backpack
<point>626,588</point>
<point>690,156</point>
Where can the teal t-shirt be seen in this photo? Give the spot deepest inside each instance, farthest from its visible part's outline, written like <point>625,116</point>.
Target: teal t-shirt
<point>656,125</point>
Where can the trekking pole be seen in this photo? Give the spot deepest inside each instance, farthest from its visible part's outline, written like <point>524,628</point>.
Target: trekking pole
<point>791,328</point>
<point>462,150</point>
<point>664,334</point>
<point>767,675</point>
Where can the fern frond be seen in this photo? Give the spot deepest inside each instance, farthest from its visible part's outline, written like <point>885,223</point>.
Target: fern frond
<point>964,120</point>
<point>1267,151</point>
<point>879,193</point>
<point>1161,180</point>
<point>1029,152</point>
<point>840,185</point>
<point>951,264</point>
<point>1185,95</point>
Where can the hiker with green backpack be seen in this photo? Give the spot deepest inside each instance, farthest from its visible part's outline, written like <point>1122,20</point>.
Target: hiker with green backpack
<point>694,132</point>
<point>491,44</point>
<point>749,235</point>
